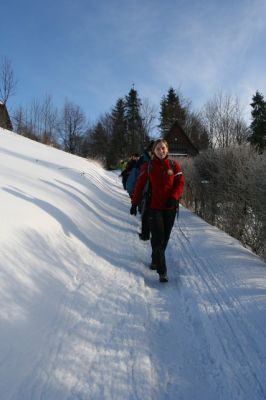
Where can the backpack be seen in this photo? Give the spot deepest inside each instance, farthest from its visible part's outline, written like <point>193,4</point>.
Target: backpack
<point>134,173</point>
<point>131,180</point>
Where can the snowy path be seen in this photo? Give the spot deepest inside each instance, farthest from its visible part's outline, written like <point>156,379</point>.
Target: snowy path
<point>193,338</point>
<point>83,317</point>
<point>211,341</point>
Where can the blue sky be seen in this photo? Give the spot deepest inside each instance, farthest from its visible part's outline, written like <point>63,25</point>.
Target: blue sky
<point>90,52</point>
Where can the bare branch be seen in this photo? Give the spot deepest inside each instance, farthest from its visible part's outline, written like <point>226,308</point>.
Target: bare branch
<point>7,80</point>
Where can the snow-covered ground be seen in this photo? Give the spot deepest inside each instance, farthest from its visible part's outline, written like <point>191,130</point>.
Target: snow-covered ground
<point>83,317</point>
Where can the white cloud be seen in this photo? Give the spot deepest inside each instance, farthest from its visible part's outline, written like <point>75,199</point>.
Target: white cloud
<point>205,56</point>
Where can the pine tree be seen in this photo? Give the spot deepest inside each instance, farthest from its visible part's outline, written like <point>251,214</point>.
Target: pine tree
<point>118,145</point>
<point>136,134</point>
<point>98,140</point>
<point>258,124</point>
<point>171,111</point>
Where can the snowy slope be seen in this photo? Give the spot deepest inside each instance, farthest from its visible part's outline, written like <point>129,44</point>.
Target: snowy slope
<point>82,316</point>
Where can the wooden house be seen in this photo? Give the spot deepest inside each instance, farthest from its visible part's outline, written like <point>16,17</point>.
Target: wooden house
<point>179,143</point>
<point>5,121</point>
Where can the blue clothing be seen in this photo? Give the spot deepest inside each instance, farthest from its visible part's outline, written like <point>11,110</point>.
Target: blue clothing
<point>134,173</point>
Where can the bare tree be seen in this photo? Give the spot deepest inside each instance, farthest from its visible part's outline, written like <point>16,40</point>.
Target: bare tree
<point>35,117</point>
<point>148,113</point>
<point>38,121</point>
<point>223,121</point>
<point>19,121</point>
<point>49,120</point>
<point>7,80</point>
<point>72,127</point>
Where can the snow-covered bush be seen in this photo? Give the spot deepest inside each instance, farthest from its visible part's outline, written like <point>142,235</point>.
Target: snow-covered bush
<point>227,188</point>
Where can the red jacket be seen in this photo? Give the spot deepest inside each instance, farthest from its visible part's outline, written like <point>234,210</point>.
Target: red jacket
<point>165,181</point>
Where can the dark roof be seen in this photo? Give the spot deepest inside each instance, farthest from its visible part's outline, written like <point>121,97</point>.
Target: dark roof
<point>179,143</point>
<point>5,121</point>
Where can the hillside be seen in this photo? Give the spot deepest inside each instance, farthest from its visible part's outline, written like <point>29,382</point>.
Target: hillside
<point>83,317</point>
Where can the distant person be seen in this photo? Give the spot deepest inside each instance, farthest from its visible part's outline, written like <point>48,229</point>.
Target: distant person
<point>131,182</point>
<point>122,165</point>
<point>130,164</point>
<point>166,185</point>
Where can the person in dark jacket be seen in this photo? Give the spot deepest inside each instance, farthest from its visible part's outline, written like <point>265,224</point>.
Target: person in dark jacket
<point>130,185</point>
<point>130,164</point>
<point>167,185</point>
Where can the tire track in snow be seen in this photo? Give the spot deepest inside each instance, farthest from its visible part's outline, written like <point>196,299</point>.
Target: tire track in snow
<point>224,321</point>
<point>200,364</point>
<point>176,352</point>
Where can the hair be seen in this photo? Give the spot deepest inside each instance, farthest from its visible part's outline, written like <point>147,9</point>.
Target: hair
<point>157,142</point>
<point>149,146</point>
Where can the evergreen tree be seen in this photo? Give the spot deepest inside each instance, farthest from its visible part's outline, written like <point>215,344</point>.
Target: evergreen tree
<point>98,142</point>
<point>117,148</point>
<point>258,124</point>
<point>136,133</point>
<point>171,111</point>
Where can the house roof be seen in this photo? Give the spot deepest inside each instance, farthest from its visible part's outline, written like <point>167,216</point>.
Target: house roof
<point>179,143</point>
<point>5,121</point>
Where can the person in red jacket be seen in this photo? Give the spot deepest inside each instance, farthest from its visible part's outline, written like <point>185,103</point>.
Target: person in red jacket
<point>166,185</point>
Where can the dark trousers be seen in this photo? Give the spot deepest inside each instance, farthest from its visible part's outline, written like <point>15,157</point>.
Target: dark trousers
<point>161,224</point>
<point>145,224</point>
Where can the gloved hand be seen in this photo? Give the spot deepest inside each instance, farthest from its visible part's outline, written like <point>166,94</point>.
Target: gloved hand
<point>171,203</point>
<point>133,209</point>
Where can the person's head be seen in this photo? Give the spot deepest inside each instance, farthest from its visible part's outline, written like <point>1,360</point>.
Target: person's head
<point>135,156</point>
<point>160,148</point>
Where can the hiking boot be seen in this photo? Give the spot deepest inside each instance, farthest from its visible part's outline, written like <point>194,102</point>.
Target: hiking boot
<point>153,267</point>
<point>163,278</point>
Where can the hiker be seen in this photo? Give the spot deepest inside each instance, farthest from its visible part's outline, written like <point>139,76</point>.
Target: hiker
<point>130,164</point>
<point>131,181</point>
<point>166,185</point>
<point>122,165</point>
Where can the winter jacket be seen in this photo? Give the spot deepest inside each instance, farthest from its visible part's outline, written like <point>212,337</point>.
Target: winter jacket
<point>134,173</point>
<point>166,182</point>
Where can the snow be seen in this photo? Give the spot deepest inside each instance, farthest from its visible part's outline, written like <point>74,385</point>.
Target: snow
<point>83,317</point>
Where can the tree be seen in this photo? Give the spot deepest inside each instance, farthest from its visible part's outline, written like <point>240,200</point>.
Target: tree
<point>118,145</point>
<point>97,140</point>
<point>137,136</point>
<point>49,116</point>
<point>171,111</point>
<point>72,127</point>
<point>196,131</point>
<point>7,80</point>
<point>148,113</point>
<point>19,121</point>
<point>258,124</point>
<point>21,125</point>
<point>223,121</point>
<point>39,121</point>
<point>27,121</point>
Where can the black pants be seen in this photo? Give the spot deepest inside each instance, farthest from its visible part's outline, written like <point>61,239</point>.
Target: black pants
<point>161,224</point>
<point>145,224</point>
